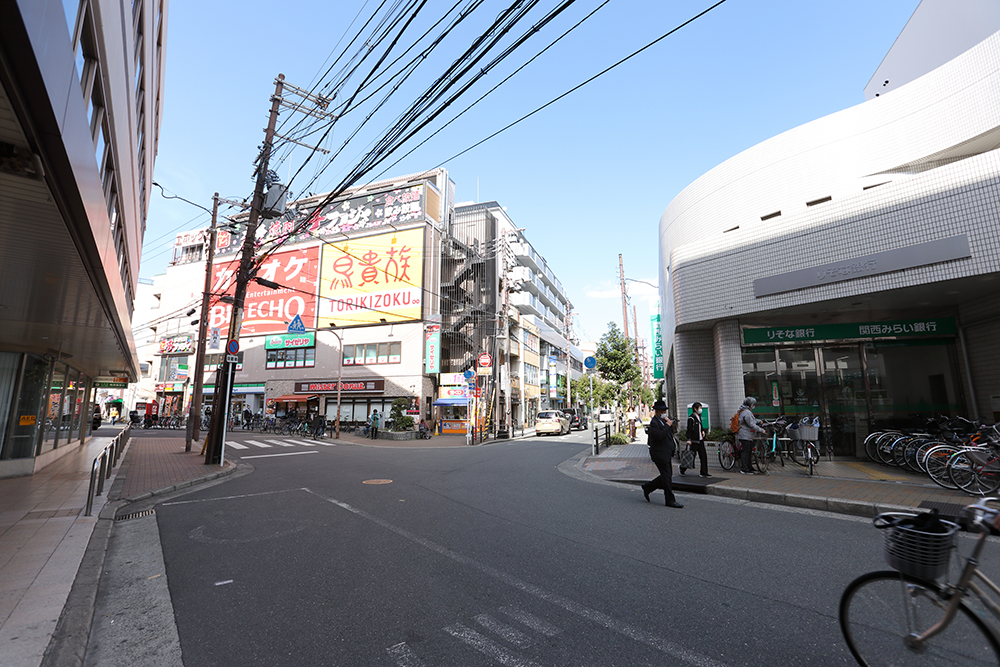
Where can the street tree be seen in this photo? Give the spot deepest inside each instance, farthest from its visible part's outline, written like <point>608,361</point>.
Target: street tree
<point>616,362</point>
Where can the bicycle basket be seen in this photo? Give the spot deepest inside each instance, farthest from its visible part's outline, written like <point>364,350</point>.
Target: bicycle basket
<point>808,432</point>
<point>916,552</point>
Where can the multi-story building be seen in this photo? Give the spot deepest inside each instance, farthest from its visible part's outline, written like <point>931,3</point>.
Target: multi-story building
<point>81,93</point>
<point>847,269</point>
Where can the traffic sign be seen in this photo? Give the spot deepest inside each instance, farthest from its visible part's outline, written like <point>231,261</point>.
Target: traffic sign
<point>469,374</point>
<point>232,359</point>
<point>485,360</point>
<point>296,325</point>
<point>233,346</point>
<point>590,362</point>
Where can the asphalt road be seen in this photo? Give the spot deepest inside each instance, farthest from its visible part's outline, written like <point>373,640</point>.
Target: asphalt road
<point>495,555</point>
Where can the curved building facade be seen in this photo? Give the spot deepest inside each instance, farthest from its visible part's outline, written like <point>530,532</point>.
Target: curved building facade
<point>848,268</point>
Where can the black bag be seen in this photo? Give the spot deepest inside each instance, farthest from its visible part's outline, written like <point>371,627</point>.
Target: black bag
<point>687,458</point>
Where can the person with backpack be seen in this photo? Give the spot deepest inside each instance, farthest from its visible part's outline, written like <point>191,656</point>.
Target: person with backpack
<point>373,425</point>
<point>661,449</point>
<point>747,427</point>
<point>696,439</point>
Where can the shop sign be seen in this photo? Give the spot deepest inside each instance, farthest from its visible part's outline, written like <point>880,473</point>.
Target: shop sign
<point>432,350</point>
<point>367,211</point>
<point>111,385</point>
<point>268,310</point>
<point>289,341</point>
<point>453,392</point>
<point>657,346</point>
<point>170,387</point>
<point>347,386</point>
<point>451,379</point>
<point>176,345</point>
<point>940,326</point>
<point>27,420</point>
<point>897,259</point>
<point>372,279</point>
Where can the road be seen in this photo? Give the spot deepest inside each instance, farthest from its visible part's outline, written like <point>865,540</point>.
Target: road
<point>494,555</point>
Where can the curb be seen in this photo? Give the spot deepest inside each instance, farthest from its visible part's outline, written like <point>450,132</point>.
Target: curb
<point>68,645</point>
<point>835,505</point>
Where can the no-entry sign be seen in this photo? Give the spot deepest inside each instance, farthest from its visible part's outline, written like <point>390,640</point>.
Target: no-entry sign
<point>485,360</point>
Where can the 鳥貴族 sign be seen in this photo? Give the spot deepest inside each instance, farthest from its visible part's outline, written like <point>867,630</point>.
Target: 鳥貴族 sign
<point>289,341</point>
<point>937,326</point>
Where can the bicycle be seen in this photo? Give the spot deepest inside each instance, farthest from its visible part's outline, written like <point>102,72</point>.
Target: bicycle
<point>902,616</point>
<point>730,450</point>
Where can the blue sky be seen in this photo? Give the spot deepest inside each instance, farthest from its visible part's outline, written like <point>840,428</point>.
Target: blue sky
<point>588,177</point>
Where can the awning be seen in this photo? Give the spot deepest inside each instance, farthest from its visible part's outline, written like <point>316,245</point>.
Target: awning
<point>292,398</point>
<point>452,401</point>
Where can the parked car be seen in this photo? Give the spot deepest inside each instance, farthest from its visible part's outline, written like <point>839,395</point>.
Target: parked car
<point>551,421</point>
<point>96,420</point>
<point>605,415</point>
<point>577,419</point>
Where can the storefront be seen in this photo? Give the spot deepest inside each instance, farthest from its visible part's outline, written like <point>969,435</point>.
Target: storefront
<point>856,377</point>
<point>452,404</point>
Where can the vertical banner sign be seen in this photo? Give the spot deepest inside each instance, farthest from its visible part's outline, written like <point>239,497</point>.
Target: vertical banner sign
<point>553,389</point>
<point>432,350</point>
<point>372,279</point>
<point>657,346</point>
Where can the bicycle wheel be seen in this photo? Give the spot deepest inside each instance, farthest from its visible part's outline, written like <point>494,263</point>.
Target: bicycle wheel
<point>727,452</point>
<point>963,468</point>
<point>922,453</point>
<point>880,610</point>
<point>936,464</point>
<point>811,453</point>
<point>899,451</point>
<point>760,460</point>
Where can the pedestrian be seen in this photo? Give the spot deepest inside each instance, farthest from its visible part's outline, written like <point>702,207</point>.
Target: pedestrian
<point>373,431</point>
<point>748,427</point>
<point>696,439</point>
<point>247,417</point>
<point>661,449</point>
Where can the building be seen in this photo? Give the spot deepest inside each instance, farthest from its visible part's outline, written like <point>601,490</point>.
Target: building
<point>81,97</point>
<point>848,268</point>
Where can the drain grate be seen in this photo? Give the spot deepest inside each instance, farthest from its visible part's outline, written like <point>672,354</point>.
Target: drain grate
<point>135,515</point>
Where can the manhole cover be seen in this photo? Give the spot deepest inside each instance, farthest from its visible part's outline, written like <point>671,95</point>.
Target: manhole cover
<point>377,481</point>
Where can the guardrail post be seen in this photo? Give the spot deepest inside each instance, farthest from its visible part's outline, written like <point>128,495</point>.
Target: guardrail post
<point>100,477</point>
<point>91,489</point>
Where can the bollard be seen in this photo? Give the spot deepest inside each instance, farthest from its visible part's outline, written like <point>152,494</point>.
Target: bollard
<point>90,491</point>
<point>100,477</point>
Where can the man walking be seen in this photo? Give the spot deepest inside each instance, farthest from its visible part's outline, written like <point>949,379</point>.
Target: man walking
<point>748,427</point>
<point>696,438</point>
<point>374,428</point>
<point>661,448</point>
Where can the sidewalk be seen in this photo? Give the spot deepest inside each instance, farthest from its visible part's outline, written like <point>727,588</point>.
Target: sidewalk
<point>845,486</point>
<point>44,536</point>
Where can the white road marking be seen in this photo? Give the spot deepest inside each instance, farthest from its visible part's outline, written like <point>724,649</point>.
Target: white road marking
<point>268,456</point>
<point>404,655</point>
<point>532,621</point>
<point>255,443</point>
<point>509,634</point>
<point>240,496</point>
<point>488,646</point>
<point>280,443</point>
<point>303,442</point>
<point>236,445</point>
<point>223,583</point>
<point>573,607</point>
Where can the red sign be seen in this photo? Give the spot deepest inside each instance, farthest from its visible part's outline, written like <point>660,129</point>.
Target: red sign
<point>485,360</point>
<point>268,310</point>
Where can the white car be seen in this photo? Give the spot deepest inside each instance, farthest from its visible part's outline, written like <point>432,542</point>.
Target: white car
<point>551,421</point>
<point>605,416</point>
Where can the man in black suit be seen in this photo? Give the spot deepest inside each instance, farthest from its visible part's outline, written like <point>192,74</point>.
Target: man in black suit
<point>661,448</point>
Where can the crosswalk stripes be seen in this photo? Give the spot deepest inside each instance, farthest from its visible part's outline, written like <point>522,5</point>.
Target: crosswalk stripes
<point>255,443</point>
<point>279,443</point>
<point>303,442</point>
<point>235,445</point>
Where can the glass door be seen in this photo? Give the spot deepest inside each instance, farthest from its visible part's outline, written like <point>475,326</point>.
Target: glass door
<point>798,386</point>
<point>845,398</point>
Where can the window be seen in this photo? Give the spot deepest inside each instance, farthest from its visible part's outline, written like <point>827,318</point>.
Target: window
<point>214,361</point>
<point>530,341</point>
<point>301,357</point>
<point>370,354</point>
<point>530,374</point>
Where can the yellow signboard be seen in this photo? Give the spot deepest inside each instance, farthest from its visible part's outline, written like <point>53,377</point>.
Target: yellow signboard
<point>27,420</point>
<point>372,279</point>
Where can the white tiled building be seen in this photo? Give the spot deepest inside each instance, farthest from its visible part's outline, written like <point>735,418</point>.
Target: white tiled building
<point>848,268</point>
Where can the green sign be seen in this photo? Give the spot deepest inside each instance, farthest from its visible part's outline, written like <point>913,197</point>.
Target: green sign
<point>935,326</point>
<point>657,346</point>
<point>111,385</point>
<point>290,340</point>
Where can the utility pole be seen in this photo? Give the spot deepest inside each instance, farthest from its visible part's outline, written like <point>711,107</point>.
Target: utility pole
<point>621,275</point>
<point>635,326</point>
<point>194,409</point>
<point>223,389</point>
<point>569,368</point>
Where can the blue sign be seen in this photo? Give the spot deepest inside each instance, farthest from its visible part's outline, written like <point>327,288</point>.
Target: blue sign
<point>590,362</point>
<point>470,374</point>
<point>296,325</point>
<point>233,346</point>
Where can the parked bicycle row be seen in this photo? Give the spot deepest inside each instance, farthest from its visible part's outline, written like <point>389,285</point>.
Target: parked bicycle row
<point>955,453</point>
<point>795,440</point>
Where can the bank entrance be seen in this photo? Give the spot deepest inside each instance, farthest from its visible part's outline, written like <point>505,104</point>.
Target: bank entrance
<point>895,379</point>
